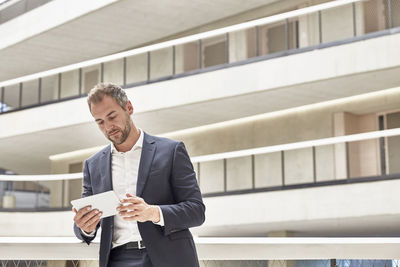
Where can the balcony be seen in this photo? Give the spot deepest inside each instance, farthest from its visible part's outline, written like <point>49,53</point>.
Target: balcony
<point>343,68</point>
<point>225,47</point>
<point>55,38</point>
<point>284,180</point>
<point>217,252</point>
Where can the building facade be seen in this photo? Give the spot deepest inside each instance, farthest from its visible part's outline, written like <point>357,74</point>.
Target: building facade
<point>289,109</point>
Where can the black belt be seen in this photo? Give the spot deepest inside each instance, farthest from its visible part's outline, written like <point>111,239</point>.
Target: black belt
<point>132,245</point>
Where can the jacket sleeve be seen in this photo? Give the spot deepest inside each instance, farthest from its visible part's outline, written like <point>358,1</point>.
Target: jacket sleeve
<point>189,210</point>
<point>87,191</point>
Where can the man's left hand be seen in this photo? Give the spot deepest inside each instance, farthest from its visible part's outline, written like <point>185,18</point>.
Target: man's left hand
<point>134,208</point>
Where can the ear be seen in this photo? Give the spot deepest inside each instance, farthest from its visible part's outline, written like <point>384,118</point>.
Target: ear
<point>129,107</point>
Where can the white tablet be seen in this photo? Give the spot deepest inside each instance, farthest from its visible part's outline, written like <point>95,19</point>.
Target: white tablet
<point>106,202</point>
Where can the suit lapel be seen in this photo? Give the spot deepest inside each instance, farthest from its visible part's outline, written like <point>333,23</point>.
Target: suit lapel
<point>106,178</point>
<point>146,159</point>
<point>105,169</point>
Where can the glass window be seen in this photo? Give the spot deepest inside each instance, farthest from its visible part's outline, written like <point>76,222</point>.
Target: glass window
<point>214,51</point>
<point>90,77</point>
<point>242,45</point>
<point>299,166</point>
<point>395,13</point>
<point>325,162</point>
<point>161,63</point>
<point>11,97</point>
<point>337,23</point>
<point>49,91</point>
<point>306,30</point>
<point>273,38</point>
<point>186,57</point>
<point>212,176</point>
<point>373,16</point>
<point>70,84</point>
<point>114,72</point>
<point>393,143</point>
<point>239,173</point>
<point>136,68</point>
<point>268,170</point>
<point>30,93</point>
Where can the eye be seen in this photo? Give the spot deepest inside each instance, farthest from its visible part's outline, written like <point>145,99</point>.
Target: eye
<point>100,122</point>
<point>111,118</point>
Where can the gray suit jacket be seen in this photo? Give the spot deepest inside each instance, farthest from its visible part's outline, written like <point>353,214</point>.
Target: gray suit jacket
<point>165,178</point>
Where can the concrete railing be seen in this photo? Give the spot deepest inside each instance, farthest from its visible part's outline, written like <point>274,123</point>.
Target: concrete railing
<point>70,248</point>
<point>341,143</point>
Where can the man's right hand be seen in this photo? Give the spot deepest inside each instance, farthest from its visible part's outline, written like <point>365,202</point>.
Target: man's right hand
<point>87,219</point>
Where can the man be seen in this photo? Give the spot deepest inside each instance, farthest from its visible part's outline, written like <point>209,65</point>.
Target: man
<point>155,181</point>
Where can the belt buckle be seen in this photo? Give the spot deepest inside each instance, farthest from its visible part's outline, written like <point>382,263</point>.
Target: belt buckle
<point>135,245</point>
<point>132,245</point>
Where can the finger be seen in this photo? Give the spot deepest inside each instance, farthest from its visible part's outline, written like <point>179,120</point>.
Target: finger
<point>74,210</point>
<point>129,213</point>
<point>128,207</point>
<point>93,221</point>
<point>129,195</point>
<point>85,218</point>
<point>134,200</point>
<point>83,211</point>
<point>131,218</point>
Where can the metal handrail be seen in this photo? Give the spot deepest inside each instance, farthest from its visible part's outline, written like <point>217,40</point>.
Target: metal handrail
<point>233,154</point>
<point>298,145</point>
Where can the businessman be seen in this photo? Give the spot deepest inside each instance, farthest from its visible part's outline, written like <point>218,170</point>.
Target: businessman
<point>155,181</point>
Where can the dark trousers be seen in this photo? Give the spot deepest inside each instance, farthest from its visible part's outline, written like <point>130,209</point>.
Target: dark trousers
<point>122,257</point>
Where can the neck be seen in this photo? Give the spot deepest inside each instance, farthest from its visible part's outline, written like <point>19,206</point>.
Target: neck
<point>130,141</point>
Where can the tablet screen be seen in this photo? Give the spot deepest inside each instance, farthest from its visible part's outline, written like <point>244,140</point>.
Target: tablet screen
<point>106,202</point>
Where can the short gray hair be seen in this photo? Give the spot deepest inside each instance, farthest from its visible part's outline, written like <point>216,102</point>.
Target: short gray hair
<point>98,92</point>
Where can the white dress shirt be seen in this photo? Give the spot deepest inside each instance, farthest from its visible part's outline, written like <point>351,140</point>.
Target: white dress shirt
<point>124,169</point>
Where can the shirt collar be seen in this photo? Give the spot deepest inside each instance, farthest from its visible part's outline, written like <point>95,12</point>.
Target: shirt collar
<point>138,144</point>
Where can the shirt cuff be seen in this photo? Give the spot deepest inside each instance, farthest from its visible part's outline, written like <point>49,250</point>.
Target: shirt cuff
<point>161,222</point>
<point>88,235</point>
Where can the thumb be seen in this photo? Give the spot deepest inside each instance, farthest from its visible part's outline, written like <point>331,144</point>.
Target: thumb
<point>129,195</point>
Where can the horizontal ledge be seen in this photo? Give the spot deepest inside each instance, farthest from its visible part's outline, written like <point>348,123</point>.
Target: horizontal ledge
<point>296,240</point>
<point>42,177</point>
<point>224,240</point>
<point>216,248</point>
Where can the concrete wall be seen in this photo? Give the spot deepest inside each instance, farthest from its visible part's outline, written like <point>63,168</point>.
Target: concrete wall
<point>37,223</point>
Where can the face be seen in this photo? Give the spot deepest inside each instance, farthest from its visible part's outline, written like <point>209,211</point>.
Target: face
<point>112,119</point>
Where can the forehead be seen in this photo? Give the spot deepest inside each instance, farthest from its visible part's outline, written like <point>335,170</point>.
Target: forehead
<point>104,107</point>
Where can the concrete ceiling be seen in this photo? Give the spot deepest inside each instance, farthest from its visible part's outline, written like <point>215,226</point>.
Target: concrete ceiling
<point>34,149</point>
<point>114,28</point>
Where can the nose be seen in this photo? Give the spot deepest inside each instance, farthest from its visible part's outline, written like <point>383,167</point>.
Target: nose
<point>108,126</point>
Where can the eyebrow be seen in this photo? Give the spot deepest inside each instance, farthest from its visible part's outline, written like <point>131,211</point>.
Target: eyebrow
<point>109,114</point>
